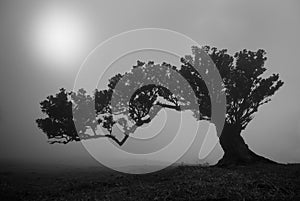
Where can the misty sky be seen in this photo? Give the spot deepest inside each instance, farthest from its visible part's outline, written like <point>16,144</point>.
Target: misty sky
<point>43,44</point>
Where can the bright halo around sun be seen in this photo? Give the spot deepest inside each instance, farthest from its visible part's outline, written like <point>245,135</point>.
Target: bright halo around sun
<point>60,37</point>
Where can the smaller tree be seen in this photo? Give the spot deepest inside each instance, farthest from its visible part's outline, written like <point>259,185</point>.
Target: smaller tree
<point>130,100</point>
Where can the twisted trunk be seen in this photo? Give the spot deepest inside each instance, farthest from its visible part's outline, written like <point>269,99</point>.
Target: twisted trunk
<point>236,151</point>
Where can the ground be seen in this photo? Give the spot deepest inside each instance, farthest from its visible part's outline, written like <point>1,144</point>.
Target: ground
<point>260,182</point>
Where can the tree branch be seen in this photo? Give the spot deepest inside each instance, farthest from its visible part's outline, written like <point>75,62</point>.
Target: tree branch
<point>175,107</point>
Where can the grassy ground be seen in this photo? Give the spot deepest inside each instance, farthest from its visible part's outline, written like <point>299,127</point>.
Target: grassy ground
<point>263,182</point>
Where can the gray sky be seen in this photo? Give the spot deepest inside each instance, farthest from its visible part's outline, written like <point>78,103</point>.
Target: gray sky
<point>35,63</point>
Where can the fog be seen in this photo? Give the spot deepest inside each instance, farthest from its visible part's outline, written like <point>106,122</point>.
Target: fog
<point>33,66</point>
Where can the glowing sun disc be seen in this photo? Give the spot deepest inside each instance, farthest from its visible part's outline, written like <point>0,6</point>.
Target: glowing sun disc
<point>59,36</point>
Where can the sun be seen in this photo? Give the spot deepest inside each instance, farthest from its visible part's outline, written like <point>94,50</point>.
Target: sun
<point>59,37</point>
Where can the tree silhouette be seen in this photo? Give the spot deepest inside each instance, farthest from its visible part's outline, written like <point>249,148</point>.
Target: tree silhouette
<point>245,90</point>
<point>135,98</point>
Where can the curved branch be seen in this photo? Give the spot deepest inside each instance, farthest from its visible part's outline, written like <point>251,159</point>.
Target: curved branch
<point>175,107</point>
<point>120,143</point>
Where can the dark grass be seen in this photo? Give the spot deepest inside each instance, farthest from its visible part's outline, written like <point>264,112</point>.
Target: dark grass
<point>260,182</point>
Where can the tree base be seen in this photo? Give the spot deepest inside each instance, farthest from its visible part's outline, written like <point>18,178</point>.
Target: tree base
<point>252,159</point>
<point>236,151</point>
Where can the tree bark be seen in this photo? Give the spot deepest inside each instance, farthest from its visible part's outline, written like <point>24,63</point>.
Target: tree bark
<point>236,151</point>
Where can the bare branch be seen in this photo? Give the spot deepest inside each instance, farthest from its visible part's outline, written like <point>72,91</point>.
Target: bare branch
<point>175,107</point>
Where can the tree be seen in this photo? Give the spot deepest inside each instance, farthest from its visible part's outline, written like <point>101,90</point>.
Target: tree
<point>245,90</point>
<point>136,97</point>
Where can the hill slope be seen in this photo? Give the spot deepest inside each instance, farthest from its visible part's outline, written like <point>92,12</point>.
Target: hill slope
<point>262,182</point>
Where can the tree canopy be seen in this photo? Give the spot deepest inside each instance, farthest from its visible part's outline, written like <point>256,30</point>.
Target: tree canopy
<point>134,98</point>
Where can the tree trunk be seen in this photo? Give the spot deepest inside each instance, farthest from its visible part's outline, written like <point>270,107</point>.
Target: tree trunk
<point>236,151</point>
